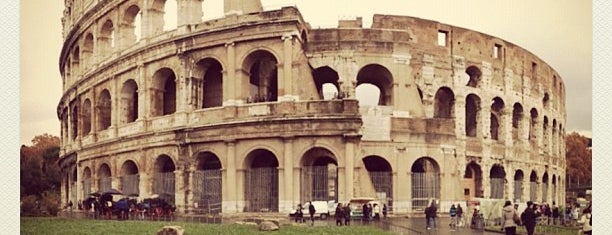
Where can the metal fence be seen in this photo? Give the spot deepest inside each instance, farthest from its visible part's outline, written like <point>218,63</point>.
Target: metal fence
<point>533,187</point>
<point>544,191</point>
<point>518,189</point>
<point>497,187</point>
<point>86,188</point>
<point>425,187</point>
<point>383,184</point>
<point>104,184</point>
<point>130,184</point>
<point>319,183</point>
<point>261,189</point>
<point>163,185</point>
<point>73,192</point>
<point>207,191</point>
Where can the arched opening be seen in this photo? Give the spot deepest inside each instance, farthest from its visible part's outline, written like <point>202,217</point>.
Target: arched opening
<point>74,122</point>
<point>73,185</point>
<point>554,138</point>
<point>86,182</point>
<point>104,178</point>
<point>497,177</point>
<point>130,179</point>
<point>86,117</point>
<point>129,101</point>
<point>170,15</point>
<point>76,57</point>
<point>88,49</point>
<point>472,114</point>
<point>381,78</point>
<point>319,176</point>
<point>326,81</point>
<point>425,182</point>
<point>546,100</point>
<point>104,110</point>
<point>163,92</point>
<point>472,181</point>
<point>533,186</point>
<point>163,178</point>
<point>518,185</point>
<point>212,10</point>
<point>106,38</point>
<point>545,187</point>
<point>211,72</point>
<point>131,27</point>
<point>367,95</point>
<point>304,37</point>
<point>533,124</point>
<point>207,184</point>
<point>545,133</point>
<point>554,188</point>
<point>381,176</point>
<point>497,111</point>
<point>263,80</point>
<point>444,106</point>
<point>517,116</point>
<point>261,185</point>
<point>474,73</point>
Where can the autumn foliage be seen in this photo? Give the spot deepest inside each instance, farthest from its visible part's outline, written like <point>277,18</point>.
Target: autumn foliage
<point>578,158</point>
<point>40,175</point>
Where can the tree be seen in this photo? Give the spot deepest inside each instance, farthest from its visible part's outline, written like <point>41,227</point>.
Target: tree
<point>39,171</point>
<point>578,158</point>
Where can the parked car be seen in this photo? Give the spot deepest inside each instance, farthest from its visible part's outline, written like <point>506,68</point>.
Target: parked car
<point>357,205</point>
<point>323,209</point>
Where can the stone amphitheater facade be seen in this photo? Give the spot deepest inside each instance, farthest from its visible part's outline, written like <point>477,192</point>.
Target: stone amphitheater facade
<point>229,115</point>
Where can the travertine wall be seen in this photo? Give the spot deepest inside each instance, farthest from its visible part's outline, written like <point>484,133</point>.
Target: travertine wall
<point>452,101</point>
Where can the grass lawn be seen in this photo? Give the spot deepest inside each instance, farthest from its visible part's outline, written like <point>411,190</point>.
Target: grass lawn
<point>56,225</point>
<point>540,229</point>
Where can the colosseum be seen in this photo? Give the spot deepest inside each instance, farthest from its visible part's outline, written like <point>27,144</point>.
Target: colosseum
<point>257,111</point>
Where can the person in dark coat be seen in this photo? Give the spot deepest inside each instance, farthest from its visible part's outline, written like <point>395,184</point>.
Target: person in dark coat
<point>347,214</point>
<point>365,212</point>
<point>385,211</point>
<point>339,214</point>
<point>528,218</point>
<point>311,211</point>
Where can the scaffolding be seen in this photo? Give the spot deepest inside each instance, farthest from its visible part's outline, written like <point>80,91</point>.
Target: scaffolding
<point>261,189</point>
<point>129,184</point>
<point>163,186</point>
<point>425,187</point>
<point>319,183</point>
<point>497,187</point>
<point>207,191</point>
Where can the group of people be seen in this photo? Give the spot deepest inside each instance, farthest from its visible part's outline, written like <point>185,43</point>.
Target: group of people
<point>299,213</point>
<point>528,218</point>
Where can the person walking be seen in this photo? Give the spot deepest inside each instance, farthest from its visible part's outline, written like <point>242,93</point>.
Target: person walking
<point>509,218</point>
<point>528,218</point>
<point>347,214</point>
<point>555,213</point>
<point>385,210</point>
<point>339,214</point>
<point>311,211</point>
<point>453,215</point>
<point>459,215</point>
<point>587,221</point>
<point>299,214</point>
<point>376,210</point>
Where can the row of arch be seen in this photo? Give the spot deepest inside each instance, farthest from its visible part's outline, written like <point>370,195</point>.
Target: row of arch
<point>319,174</point>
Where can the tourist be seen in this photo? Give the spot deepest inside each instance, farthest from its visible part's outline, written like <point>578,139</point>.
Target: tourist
<point>364,210</point>
<point>339,214</point>
<point>509,219</point>
<point>528,218</point>
<point>586,221</point>
<point>311,211</point>
<point>453,215</point>
<point>385,210</point>
<point>555,213</point>
<point>459,215</point>
<point>347,214</point>
<point>376,211</point>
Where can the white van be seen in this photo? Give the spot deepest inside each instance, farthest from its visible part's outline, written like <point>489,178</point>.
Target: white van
<point>323,209</point>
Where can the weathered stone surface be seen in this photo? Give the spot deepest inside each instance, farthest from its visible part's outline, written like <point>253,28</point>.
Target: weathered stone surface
<point>268,226</point>
<point>171,230</point>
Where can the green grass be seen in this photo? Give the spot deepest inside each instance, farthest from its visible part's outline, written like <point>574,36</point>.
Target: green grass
<point>56,225</point>
<point>549,229</point>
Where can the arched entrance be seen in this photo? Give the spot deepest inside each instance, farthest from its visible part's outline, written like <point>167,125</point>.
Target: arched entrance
<point>518,185</point>
<point>497,177</point>
<point>545,187</point>
<point>104,178</point>
<point>472,181</point>
<point>261,181</point>
<point>130,179</point>
<point>319,180</point>
<point>86,182</point>
<point>425,182</point>
<point>263,79</point>
<point>163,178</point>
<point>554,188</point>
<point>381,176</point>
<point>73,184</point>
<point>207,189</point>
<point>533,186</point>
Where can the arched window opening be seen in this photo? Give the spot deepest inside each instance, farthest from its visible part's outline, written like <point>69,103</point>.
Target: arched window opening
<point>104,110</point>
<point>163,178</point>
<point>554,188</point>
<point>163,92</point>
<point>319,176</point>
<point>517,116</point>
<point>545,132</point>
<point>379,77</point>
<point>381,176</point>
<point>472,114</point>
<point>497,177</point>
<point>104,178</point>
<point>88,49</point>
<point>207,184</point>
<point>74,122</point>
<point>129,101</point>
<point>326,81</point>
<point>367,95</point>
<point>444,103</point>
<point>533,124</point>
<point>86,182</point>
<point>76,57</point>
<point>518,185</point>
<point>130,179</point>
<point>131,27</point>
<point>546,100</point>
<point>170,15</point>
<point>106,38</point>
<point>262,67</point>
<point>211,72</point>
<point>545,187</point>
<point>474,73</point>
<point>497,111</point>
<point>86,117</point>
<point>212,10</point>
<point>425,182</point>
<point>533,186</point>
<point>261,187</point>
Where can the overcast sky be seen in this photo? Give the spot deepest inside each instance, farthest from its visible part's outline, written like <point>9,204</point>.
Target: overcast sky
<point>557,31</point>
